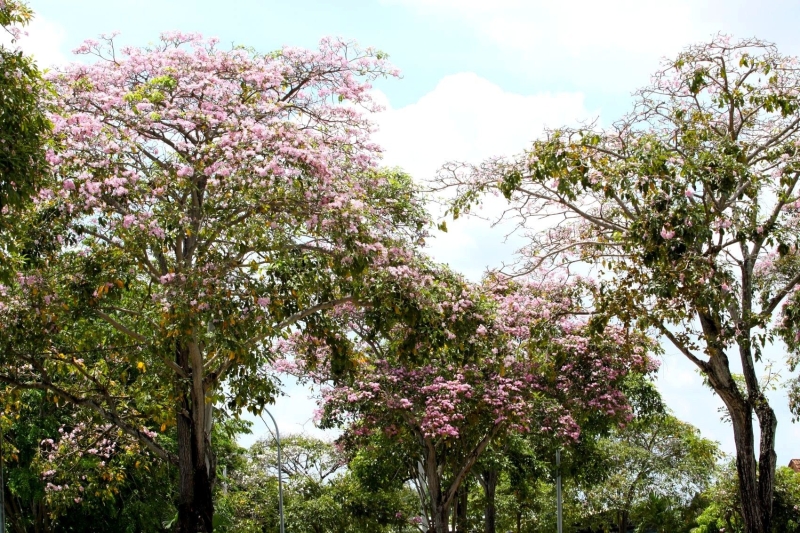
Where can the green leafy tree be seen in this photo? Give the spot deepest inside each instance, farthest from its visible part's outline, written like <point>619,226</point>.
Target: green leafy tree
<point>60,479</point>
<point>723,514</point>
<point>23,125</point>
<point>655,461</point>
<point>321,494</point>
<point>687,209</point>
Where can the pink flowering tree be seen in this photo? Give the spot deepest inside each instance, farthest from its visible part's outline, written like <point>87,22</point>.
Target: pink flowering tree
<point>203,201</point>
<point>512,358</point>
<point>688,210</point>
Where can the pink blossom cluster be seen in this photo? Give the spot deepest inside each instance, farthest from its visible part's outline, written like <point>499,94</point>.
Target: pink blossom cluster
<point>141,128</point>
<point>82,456</point>
<point>571,373</point>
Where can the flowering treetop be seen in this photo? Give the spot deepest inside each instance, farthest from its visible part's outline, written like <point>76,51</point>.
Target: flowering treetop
<point>529,363</point>
<point>203,201</point>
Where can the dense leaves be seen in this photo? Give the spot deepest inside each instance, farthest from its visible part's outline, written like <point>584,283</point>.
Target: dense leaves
<point>23,127</point>
<point>320,494</point>
<point>655,463</point>
<point>62,476</point>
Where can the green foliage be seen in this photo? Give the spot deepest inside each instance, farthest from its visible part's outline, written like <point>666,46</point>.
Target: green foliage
<point>23,126</point>
<point>657,466</point>
<point>723,515</point>
<point>23,131</point>
<point>74,491</point>
<point>320,494</point>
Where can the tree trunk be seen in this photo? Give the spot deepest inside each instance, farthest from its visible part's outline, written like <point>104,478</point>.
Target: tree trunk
<point>440,518</point>
<point>18,513</point>
<point>441,498</point>
<point>756,481</point>
<point>461,509</point>
<point>488,480</point>
<point>767,461</point>
<point>622,523</point>
<point>196,463</point>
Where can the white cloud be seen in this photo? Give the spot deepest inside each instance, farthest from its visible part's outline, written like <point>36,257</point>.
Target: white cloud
<point>612,45</point>
<point>468,118</point>
<point>43,40</point>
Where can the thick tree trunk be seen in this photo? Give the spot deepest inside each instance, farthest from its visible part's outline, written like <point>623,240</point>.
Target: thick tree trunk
<point>196,464</point>
<point>742,420</point>
<point>461,509</point>
<point>488,481</point>
<point>767,462</point>
<point>42,520</point>
<point>756,478</point>
<point>440,519</point>
<point>441,498</point>
<point>622,522</point>
<point>19,515</point>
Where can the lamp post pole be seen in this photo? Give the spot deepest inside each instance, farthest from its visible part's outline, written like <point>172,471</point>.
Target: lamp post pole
<point>559,509</point>
<point>2,488</point>
<point>280,467</point>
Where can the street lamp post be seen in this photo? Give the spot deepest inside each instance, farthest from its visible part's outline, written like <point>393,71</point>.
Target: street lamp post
<point>280,466</point>
<point>559,509</point>
<point>2,488</point>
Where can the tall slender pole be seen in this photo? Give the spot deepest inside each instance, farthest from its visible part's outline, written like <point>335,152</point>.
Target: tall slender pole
<point>280,467</point>
<point>2,488</point>
<point>559,510</point>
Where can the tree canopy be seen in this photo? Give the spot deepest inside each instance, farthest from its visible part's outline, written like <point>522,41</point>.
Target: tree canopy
<point>203,201</point>
<point>512,357</point>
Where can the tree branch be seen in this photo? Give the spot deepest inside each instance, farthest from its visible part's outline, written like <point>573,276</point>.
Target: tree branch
<point>120,327</point>
<point>108,415</point>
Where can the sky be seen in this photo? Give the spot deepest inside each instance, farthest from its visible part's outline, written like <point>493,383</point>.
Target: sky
<point>479,79</point>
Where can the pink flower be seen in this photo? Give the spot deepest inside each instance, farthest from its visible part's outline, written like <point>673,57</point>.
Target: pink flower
<point>667,234</point>
<point>185,171</point>
<point>69,185</point>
